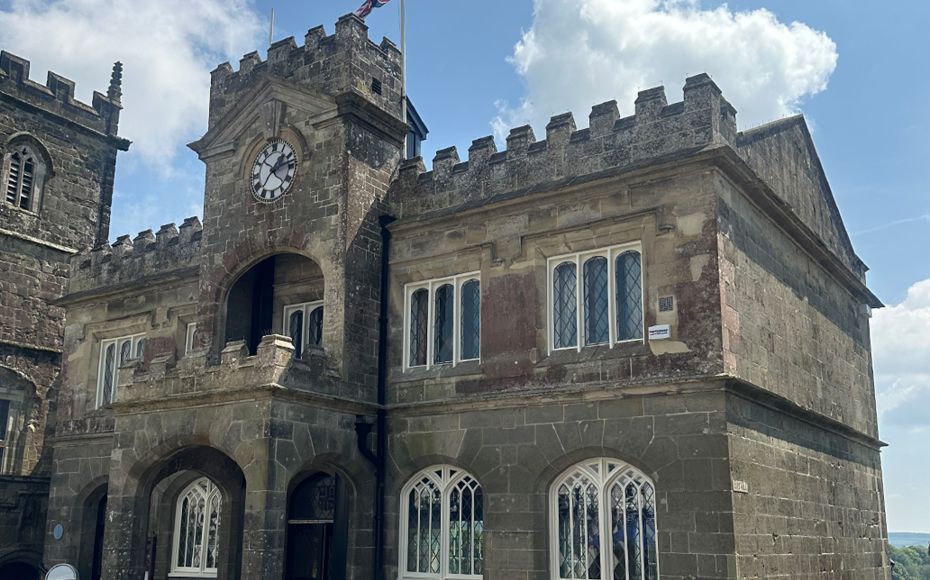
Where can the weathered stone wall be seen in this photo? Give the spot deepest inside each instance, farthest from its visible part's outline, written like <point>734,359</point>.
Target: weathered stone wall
<point>788,325</point>
<point>517,448</point>
<point>23,502</point>
<point>670,212</point>
<point>814,505</point>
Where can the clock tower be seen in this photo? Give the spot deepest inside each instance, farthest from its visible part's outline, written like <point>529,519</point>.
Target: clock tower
<point>299,154</point>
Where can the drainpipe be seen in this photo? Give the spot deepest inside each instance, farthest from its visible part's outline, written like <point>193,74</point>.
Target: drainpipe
<point>362,427</point>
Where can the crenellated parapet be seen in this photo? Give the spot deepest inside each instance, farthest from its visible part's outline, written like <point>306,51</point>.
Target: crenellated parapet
<point>338,64</point>
<point>170,250</point>
<point>56,96</point>
<point>655,130</point>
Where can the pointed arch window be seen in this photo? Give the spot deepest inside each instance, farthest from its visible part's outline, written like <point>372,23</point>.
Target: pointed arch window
<point>443,321</point>
<point>304,324</point>
<point>596,298</point>
<point>196,530</point>
<point>442,525</point>
<point>603,514</point>
<point>24,173</point>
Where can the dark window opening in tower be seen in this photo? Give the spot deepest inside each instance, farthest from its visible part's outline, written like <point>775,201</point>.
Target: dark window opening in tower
<point>282,294</point>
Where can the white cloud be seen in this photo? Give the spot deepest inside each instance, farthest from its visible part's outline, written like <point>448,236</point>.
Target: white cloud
<point>582,52</point>
<point>901,350</point>
<point>168,48</point>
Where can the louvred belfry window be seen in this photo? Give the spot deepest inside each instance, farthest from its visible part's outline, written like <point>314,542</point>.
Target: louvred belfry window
<point>21,177</point>
<point>442,525</point>
<point>442,324</point>
<point>604,523</point>
<point>603,305</point>
<point>196,530</point>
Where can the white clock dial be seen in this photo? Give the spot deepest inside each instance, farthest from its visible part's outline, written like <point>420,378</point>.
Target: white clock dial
<point>273,170</point>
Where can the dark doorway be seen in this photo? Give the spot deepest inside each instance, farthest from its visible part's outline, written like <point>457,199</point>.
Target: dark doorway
<point>97,565</point>
<point>19,571</point>
<point>317,530</point>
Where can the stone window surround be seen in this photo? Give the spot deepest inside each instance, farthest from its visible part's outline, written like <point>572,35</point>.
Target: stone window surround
<point>445,478</point>
<point>41,172</point>
<point>307,308</point>
<point>134,340</point>
<point>457,282</point>
<point>579,258</point>
<point>604,473</point>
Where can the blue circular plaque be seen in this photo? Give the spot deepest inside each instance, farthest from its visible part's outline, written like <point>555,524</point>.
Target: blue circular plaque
<point>58,531</point>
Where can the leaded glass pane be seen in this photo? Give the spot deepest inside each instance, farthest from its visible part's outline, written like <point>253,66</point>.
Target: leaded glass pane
<point>633,532</point>
<point>295,328</point>
<point>419,320</point>
<point>125,351</point>
<point>565,305</point>
<point>596,316</point>
<point>109,366</point>
<point>443,323</point>
<point>315,327</point>
<point>629,296</point>
<point>650,545</point>
<point>471,320</point>
<point>579,540</point>
<point>197,541</point>
<point>140,349</point>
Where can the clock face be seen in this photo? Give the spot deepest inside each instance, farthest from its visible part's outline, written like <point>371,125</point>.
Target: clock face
<point>273,170</point>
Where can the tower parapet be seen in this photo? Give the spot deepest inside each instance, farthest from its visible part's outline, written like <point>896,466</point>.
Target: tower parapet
<point>56,96</point>
<point>131,260</point>
<point>344,62</point>
<point>657,129</point>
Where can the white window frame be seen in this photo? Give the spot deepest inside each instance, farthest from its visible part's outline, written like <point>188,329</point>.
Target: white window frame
<point>134,342</point>
<point>604,472</point>
<point>431,286</point>
<point>186,571</point>
<point>189,331</point>
<point>307,308</point>
<point>445,477</point>
<point>579,258</point>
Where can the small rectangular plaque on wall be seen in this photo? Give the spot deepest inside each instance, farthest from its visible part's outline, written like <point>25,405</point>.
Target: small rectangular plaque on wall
<point>660,332</point>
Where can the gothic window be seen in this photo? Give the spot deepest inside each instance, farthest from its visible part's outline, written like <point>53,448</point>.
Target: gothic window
<point>24,172</point>
<point>604,523</point>
<point>443,322</point>
<point>114,353</point>
<point>442,525</point>
<point>196,530</point>
<point>609,288</point>
<point>304,324</point>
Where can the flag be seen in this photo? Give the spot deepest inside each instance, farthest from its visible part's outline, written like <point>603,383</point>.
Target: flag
<point>368,6</point>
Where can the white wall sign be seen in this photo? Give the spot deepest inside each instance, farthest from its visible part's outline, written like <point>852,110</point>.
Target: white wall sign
<point>660,332</point>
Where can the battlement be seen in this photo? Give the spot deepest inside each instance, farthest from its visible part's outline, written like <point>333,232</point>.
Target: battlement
<point>656,129</point>
<point>346,61</point>
<point>137,259</point>
<point>57,95</point>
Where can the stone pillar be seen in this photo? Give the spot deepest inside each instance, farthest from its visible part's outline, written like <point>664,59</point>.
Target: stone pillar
<point>265,516</point>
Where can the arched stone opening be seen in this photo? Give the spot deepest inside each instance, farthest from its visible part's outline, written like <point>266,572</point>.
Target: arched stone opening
<point>165,485</point>
<point>281,294</point>
<point>93,523</point>
<point>317,533</point>
<point>19,571</point>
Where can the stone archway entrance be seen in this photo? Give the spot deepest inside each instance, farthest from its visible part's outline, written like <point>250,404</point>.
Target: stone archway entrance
<point>317,529</point>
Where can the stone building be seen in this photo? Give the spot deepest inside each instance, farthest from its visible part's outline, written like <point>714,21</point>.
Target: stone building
<point>635,350</point>
<point>58,158</point>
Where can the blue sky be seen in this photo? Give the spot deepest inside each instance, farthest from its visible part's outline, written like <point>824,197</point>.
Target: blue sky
<point>476,68</point>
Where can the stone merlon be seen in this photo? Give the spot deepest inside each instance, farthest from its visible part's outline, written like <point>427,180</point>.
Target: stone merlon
<point>704,119</point>
<point>56,96</point>
<point>135,261</point>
